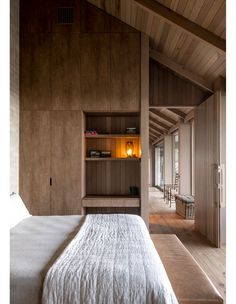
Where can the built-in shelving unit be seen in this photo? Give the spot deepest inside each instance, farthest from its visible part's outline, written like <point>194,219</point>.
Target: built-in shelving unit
<point>109,179</point>
<point>112,136</point>
<point>112,159</point>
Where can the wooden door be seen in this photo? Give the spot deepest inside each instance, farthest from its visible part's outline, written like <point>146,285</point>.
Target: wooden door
<point>66,162</point>
<point>35,91</point>
<point>125,72</point>
<point>65,69</point>
<point>95,72</point>
<point>35,161</point>
<point>208,165</point>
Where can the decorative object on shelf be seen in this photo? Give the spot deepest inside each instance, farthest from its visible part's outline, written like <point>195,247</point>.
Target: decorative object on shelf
<point>131,130</point>
<point>94,153</point>
<point>133,190</point>
<point>105,153</point>
<point>129,149</point>
<point>90,132</point>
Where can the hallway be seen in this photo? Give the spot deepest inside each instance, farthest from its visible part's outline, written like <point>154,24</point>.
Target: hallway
<point>164,220</point>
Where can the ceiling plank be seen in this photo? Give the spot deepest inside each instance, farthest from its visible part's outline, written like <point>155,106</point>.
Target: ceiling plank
<point>179,69</point>
<point>155,136</point>
<point>161,124</point>
<point>152,137</point>
<point>177,112</point>
<point>163,116</point>
<point>184,24</point>
<point>154,132</point>
<point>152,125</point>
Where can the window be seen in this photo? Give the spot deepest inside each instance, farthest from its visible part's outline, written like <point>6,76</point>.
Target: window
<point>159,165</point>
<point>175,146</point>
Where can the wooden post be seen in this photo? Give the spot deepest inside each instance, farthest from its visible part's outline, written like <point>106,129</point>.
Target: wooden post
<point>144,126</point>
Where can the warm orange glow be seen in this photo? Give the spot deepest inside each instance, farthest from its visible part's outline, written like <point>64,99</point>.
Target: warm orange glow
<point>129,149</point>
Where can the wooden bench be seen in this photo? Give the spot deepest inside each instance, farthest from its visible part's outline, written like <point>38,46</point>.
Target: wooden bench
<point>189,282</point>
<point>185,206</point>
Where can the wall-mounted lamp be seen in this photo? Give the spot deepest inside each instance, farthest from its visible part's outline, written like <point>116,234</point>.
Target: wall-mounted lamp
<point>129,149</point>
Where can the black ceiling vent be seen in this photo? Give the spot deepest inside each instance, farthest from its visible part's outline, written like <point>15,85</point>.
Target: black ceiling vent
<point>65,15</point>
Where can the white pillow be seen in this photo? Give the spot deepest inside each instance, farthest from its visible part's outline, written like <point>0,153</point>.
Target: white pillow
<point>17,209</point>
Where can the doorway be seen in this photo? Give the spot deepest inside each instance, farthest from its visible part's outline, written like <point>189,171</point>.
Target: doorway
<point>171,150</point>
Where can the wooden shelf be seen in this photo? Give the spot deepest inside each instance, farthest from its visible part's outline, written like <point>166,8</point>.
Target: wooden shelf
<point>112,159</point>
<point>113,136</point>
<point>111,201</point>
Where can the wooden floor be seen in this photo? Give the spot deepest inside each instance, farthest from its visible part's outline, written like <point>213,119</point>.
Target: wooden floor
<point>211,259</point>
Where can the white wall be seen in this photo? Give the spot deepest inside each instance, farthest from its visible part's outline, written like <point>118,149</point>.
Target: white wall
<point>185,158</point>
<point>14,97</point>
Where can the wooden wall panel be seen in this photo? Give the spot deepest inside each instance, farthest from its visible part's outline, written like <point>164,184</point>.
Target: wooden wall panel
<point>206,160</point>
<point>65,71</point>
<point>42,16</point>
<point>66,162</point>
<point>111,177</point>
<point>93,20</point>
<point>35,161</point>
<point>168,89</point>
<point>144,127</point>
<point>35,92</point>
<point>35,16</point>
<point>125,72</point>
<point>112,124</point>
<point>95,72</point>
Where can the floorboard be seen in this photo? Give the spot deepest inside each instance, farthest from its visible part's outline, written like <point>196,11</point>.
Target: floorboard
<point>163,219</point>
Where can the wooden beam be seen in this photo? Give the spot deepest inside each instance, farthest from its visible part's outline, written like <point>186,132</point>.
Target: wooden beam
<point>158,140</point>
<point>152,125</point>
<point>161,124</point>
<point>189,116</point>
<point>144,127</point>
<point>155,137</point>
<point>177,112</point>
<point>179,69</point>
<point>163,116</point>
<point>184,24</point>
<point>173,128</point>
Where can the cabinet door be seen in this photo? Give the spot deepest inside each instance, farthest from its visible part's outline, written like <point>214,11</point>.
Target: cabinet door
<point>125,72</point>
<point>95,72</point>
<point>35,92</point>
<point>35,161</point>
<point>66,162</point>
<point>65,67</point>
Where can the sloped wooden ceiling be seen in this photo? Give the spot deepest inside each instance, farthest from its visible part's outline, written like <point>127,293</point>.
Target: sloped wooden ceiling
<point>197,47</point>
<point>165,121</point>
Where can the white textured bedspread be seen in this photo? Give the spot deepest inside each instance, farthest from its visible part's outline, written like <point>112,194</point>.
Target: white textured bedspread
<point>111,260</point>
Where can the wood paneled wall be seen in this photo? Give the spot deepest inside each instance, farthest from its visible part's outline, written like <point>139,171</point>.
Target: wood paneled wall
<point>14,96</point>
<point>90,65</point>
<point>112,177</point>
<point>207,158</point>
<point>168,89</point>
<point>35,161</point>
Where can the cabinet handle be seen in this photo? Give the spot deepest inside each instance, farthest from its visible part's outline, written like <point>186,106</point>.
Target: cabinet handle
<point>50,181</point>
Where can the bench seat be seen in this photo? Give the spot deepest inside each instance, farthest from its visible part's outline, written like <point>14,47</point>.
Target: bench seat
<point>190,283</point>
<point>185,206</point>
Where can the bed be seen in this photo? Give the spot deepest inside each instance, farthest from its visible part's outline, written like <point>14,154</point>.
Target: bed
<point>117,261</point>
